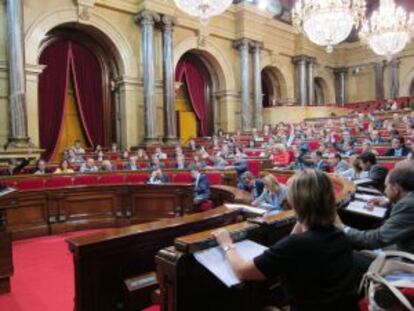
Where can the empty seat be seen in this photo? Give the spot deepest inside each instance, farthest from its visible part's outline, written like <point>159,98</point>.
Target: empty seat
<point>214,178</point>
<point>137,178</point>
<point>207,205</point>
<point>184,177</point>
<point>254,167</point>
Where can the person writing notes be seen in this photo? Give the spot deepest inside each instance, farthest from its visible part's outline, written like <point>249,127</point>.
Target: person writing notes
<point>273,196</point>
<point>315,261</point>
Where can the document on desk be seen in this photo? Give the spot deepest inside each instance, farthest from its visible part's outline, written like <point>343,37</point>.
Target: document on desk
<point>367,197</point>
<point>362,181</point>
<point>214,259</point>
<point>7,190</point>
<point>360,207</point>
<point>247,208</point>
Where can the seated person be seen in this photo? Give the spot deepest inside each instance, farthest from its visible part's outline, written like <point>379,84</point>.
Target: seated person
<point>375,172</point>
<point>367,147</point>
<point>273,196</point>
<point>192,145</point>
<point>97,148</point>
<point>14,168</point>
<point>347,149</point>
<point>339,165</point>
<point>73,157</point>
<point>155,163</point>
<point>218,163</point>
<point>201,190</point>
<point>180,162</point>
<point>239,165</point>
<point>106,166</point>
<point>64,168</point>
<point>315,261</point>
<point>89,166</point>
<point>398,148</point>
<point>100,156</point>
<point>250,184</point>
<point>41,168</point>
<point>398,228</point>
<point>178,152</point>
<point>77,148</point>
<point>197,163</point>
<point>281,156</point>
<point>317,162</point>
<point>159,154</point>
<point>132,164</point>
<point>157,177</point>
<point>125,154</point>
<point>141,155</point>
<point>114,147</point>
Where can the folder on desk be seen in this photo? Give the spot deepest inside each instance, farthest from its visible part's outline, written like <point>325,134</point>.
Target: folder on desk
<point>360,207</point>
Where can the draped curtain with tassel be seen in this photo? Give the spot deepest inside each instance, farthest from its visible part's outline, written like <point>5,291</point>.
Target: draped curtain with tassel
<point>65,60</point>
<point>188,71</point>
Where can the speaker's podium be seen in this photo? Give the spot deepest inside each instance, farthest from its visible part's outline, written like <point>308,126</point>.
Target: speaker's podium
<point>186,285</point>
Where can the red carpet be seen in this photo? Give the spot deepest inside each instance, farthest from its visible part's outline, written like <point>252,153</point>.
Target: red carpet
<point>43,275</point>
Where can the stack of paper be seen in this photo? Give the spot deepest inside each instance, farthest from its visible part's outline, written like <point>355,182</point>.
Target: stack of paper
<point>361,207</point>
<point>367,197</point>
<point>216,262</point>
<point>246,208</point>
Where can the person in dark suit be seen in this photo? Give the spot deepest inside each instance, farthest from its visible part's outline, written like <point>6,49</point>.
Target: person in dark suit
<point>14,168</point>
<point>318,163</point>
<point>106,166</point>
<point>239,165</point>
<point>250,184</point>
<point>155,163</point>
<point>180,162</point>
<point>376,173</point>
<point>398,148</point>
<point>398,229</point>
<point>201,190</point>
<point>41,168</point>
<point>157,177</point>
<point>132,164</point>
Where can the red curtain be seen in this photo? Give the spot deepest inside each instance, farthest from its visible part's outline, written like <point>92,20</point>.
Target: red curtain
<point>87,83</point>
<point>65,59</point>
<point>53,84</point>
<point>189,71</point>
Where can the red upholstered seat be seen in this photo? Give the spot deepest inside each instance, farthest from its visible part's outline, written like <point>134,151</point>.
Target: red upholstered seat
<point>85,180</point>
<point>207,205</point>
<point>120,166</point>
<point>381,150</point>
<point>8,183</point>
<point>282,179</point>
<point>59,182</point>
<point>313,144</point>
<point>184,177</point>
<point>214,178</point>
<point>111,179</point>
<point>254,167</point>
<point>136,178</point>
<point>389,165</point>
<point>30,184</point>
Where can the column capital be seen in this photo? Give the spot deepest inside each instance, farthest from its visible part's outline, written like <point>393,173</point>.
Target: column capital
<point>147,17</point>
<point>256,46</point>
<point>302,59</point>
<point>168,22</point>
<point>340,70</point>
<point>394,62</point>
<point>242,43</point>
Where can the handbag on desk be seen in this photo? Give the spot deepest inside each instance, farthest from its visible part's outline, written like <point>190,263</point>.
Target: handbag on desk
<point>389,282</point>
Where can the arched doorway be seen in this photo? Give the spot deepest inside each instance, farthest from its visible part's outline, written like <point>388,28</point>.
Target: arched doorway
<point>79,73</point>
<point>319,87</point>
<point>273,87</point>
<point>195,99</point>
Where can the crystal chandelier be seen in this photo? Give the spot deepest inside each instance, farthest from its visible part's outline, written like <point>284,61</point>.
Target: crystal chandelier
<point>327,22</point>
<point>203,9</point>
<point>389,29</point>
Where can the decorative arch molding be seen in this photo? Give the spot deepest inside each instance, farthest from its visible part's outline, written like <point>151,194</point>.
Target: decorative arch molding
<point>327,83</point>
<point>278,81</point>
<point>220,67</point>
<point>406,84</point>
<point>283,73</point>
<point>37,31</point>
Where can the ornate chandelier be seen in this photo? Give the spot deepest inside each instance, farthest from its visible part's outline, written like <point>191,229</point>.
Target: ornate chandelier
<point>327,22</point>
<point>203,9</point>
<point>389,29</point>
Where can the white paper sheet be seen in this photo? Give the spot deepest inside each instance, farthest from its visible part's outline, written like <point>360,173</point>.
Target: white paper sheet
<point>367,197</point>
<point>360,207</point>
<point>216,262</point>
<point>246,208</point>
<point>368,190</point>
<point>7,191</point>
<point>362,181</point>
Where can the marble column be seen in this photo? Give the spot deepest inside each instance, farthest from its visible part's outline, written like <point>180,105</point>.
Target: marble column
<point>257,76</point>
<point>17,80</point>
<point>379,80</point>
<point>301,91</point>
<point>243,46</point>
<point>170,118</point>
<point>341,85</point>
<point>394,81</point>
<point>147,19</point>
<point>311,80</point>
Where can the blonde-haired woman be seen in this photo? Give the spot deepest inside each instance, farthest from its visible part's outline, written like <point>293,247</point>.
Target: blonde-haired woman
<point>315,261</point>
<point>274,195</point>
